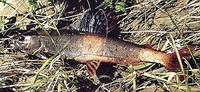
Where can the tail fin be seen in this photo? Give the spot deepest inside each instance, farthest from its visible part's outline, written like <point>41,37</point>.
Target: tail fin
<point>184,52</point>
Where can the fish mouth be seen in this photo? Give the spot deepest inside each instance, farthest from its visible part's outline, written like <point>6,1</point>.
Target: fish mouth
<point>25,44</point>
<point>21,43</point>
<point>18,43</point>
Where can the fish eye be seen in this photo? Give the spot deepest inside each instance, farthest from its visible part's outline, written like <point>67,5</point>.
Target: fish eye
<point>21,38</point>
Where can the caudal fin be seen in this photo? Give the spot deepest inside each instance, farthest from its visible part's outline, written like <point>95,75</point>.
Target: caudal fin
<point>184,52</point>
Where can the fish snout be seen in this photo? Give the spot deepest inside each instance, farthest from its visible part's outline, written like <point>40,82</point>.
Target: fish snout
<point>12,42</point>
<point>23,43</point>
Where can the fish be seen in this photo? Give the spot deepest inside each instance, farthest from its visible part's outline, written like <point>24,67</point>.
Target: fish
<point>93,49</point>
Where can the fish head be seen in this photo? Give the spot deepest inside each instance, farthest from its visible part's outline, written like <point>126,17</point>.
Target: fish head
<point>25,43</point>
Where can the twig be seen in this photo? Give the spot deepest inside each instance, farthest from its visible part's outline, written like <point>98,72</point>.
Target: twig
<point>17,85</point>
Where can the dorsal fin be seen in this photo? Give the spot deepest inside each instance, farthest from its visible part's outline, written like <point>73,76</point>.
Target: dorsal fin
<point>99,21</point>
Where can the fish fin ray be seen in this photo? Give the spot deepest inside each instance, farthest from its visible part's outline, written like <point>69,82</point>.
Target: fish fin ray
<point>91,67</point>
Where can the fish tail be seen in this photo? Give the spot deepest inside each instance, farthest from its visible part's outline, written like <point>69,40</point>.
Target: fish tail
<point>172,63</point>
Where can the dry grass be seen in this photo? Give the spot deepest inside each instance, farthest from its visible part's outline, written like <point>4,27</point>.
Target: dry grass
<point>165,24</point>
